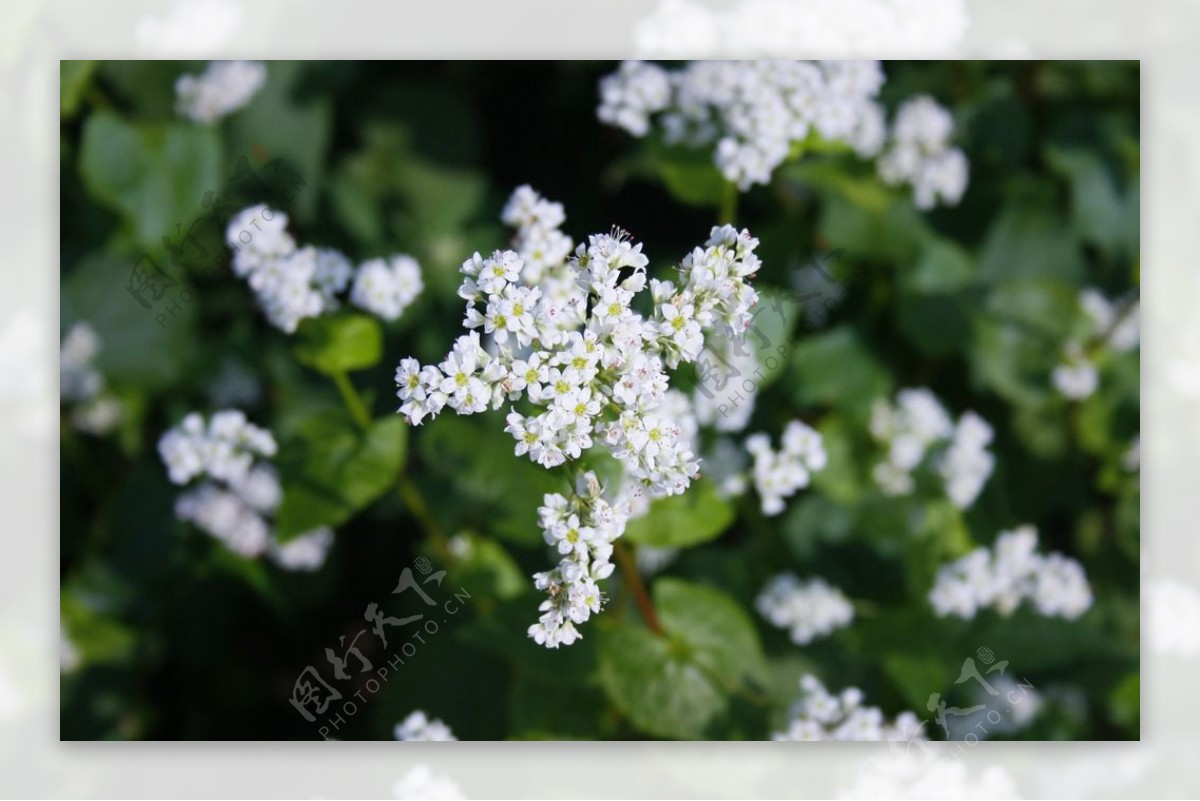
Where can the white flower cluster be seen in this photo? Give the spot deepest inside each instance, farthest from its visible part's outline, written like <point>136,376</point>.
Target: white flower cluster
<point>755,113</point>
<point>223,88</point>
<point>572,348</point>
<point>240,490</point>
<point>819,715</point>
<point>1077,377</point>
<point>779,474</point>
<point>749,111</point>
<point>419,727</point>
<point>807,609</point>
<point>829,28</point>
<point>539,242</point>
<point>293,283</point>
<point>97,410</point>
<point>582,529</point>
<point>1012,572</point>
<point>918,153</point>
<point>916,424</point>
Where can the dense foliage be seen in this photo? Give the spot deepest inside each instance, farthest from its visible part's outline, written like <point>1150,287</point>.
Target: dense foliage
<point>170,634</point>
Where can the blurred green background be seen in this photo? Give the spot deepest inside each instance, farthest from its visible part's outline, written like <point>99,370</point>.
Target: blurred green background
<point>180,639</point>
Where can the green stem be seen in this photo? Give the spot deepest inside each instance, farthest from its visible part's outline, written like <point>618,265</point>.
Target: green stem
<point>408,491</point>
<point>727,212</point>
<point>350,396</point>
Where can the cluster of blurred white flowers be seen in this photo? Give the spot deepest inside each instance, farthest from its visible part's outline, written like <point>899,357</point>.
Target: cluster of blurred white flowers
<point>420,727</point>
<point>820,715</point>
<point>1107,327</point>
<point>778,474</point>
<point>919,154</point>
<point>294,283</point>
<point>223,88</point>
<point>913,427</point>
<point>95,409</point>
<point>571,349</point>
<point>750,112</point>
<point>582,529</point>
<point>239,490</point>
<point>829,28</point>
<point>758,114</point>
<point>807,609</point>
<point>1011,572</point>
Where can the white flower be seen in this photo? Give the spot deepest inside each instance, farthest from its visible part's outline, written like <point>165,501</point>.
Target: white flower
<point>387,288</point>
<point>778,475</point>
<point>752,114</point>
<point>915,425</point>
<point>1077,377</point>
<point>808,609</point>
<point>967,464</point>
<point>293,284</point>
<point>1008,574</point>
<point>918,153</point>
<point>305,552</point>
<point>78,379</point>
<point>240,492</point>
<point>820,715</point>
<point>564,339</point>
<point>223,88</point>
<point>418,726</point>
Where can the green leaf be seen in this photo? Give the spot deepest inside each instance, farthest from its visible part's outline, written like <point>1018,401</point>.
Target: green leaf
<point>145,349</point>
<point>680,521</point>
<point>688,173</point>
<point>677,684</point>
<point>836,368</point>
<point>1030,239</point>
<point>74,78</point>
<point>1097,211</point>
<point>154,175</point>
<point>942,267</point>
<point>336,471</point>
<point>339,343</point>
<point>279,125</point>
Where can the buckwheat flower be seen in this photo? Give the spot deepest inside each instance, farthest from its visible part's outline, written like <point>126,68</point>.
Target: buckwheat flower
<point>916,426</point>
<point>78,379</point>
<point>226,517</point>
<point>807,609</point>
<point>755,115</point>
<point>258,235</point>
<point>778,475</point>
<point>419,727</point>
<point>578,367</point>
<point>305,552</point>
<point>239,492</point>
<point>387,288</point>
<point>632,94</point>
<point>1007,575</point>
<point>820,715</point>
<point>1077,377</point>
<point>967,464</point>
<point>919,154</point>
<point>223,88</point>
